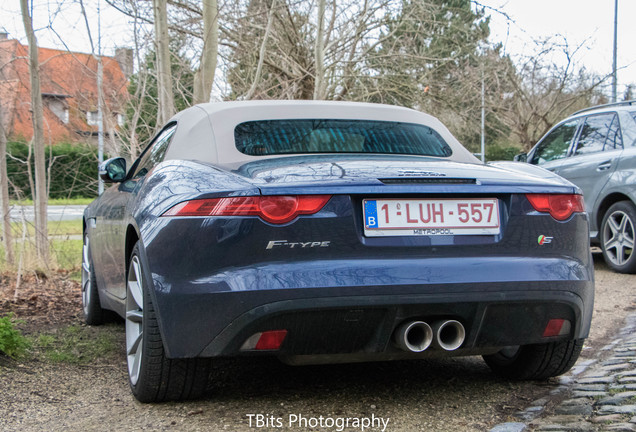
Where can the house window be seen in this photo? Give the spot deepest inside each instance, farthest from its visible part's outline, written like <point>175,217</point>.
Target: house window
<point>57,105</point>
<point>120,120</point>
<point>92,118</point>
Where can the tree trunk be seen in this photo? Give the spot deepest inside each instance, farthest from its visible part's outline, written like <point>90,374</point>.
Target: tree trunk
<point>319,53</point>
<point>261,54</point>
<point>7,236</point>
<point>37,114</point>
<point>204,77</point>
<point>164,72</point>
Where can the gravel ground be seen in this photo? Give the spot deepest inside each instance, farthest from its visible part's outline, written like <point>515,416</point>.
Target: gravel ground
<point>442,395</point>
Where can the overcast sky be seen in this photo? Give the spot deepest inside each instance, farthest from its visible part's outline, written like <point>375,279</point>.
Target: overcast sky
<point>589,23</point>
<point>581,22</point>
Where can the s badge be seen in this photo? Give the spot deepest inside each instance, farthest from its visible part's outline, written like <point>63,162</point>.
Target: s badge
<point>544,240</point>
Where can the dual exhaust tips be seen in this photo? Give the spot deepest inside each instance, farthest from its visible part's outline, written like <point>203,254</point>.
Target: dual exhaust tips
<point>417,336</point>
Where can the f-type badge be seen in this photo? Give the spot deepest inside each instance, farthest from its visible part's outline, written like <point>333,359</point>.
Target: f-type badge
<point>297,245</point>
<point>544,240</point>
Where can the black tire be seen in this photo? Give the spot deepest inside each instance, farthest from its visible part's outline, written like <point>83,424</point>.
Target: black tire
<point>158,378</point>
<point>93,312</point>
<point>535,362</point>
<point>617,237</point>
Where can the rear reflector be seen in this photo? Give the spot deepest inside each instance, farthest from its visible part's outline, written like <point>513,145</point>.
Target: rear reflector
<point>557,327</point>
<point>269,340</point>
<point>560,207</point>
<point>276,209</point>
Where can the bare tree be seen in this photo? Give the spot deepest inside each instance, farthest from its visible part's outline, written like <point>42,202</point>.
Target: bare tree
<point>548,86</point>
<point>319,52</point>
<point>261,52</point>
<point>7,237</point>
<point>100,93</point>
<point>431,55</point>
<point>133,122</point>
<point>312,50</point>
<point>205,75</point>
<point>37,114</point>
<point>164,72</point>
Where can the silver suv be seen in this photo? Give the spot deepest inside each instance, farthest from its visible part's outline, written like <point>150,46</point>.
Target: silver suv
<point>596,149</point>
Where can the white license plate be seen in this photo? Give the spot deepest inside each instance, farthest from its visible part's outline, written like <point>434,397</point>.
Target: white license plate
<point>413,217</point>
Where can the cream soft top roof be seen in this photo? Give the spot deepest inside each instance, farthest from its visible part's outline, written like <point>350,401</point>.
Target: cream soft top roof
<point>205,132</point>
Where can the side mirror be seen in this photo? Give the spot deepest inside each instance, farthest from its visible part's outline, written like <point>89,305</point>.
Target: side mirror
<point>113,170</point>
<point>521,157</point>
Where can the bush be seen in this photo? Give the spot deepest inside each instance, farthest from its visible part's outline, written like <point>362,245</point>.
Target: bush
<point>12,343</point>
<point>496,152</point>
<point>73,172</point>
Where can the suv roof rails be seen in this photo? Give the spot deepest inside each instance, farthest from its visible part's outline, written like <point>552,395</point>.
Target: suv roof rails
<point>623,103</point>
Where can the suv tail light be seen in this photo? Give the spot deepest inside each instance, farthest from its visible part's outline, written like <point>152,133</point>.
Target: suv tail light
<point>276,209</point>
<point>560,206</point>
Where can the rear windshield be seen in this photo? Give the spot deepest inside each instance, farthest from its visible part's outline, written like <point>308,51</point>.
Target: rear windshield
<point>275,137</point>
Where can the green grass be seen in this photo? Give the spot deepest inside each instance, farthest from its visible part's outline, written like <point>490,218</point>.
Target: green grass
<point>78,344</point>
<point>12,342</point>
<point>66,252</point>
<point>65,255</point>
<point>65,227</point>
<point>56,201</point>
<point>55,228</point>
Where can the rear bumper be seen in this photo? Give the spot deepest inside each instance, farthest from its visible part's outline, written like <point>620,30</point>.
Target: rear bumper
<point>365,325</point>
<point>355,311</point>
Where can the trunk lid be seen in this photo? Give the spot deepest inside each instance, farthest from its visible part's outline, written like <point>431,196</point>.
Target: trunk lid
<point>343,174</point>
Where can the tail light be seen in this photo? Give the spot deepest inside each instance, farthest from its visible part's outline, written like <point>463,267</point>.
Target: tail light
<point>557,327</point>
<point>265,341</point>
<point>277,209</point>
<point>560,206</point>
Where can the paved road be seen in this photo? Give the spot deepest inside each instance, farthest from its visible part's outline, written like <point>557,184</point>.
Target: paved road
<point>602,398</point>
<point>55,212</point>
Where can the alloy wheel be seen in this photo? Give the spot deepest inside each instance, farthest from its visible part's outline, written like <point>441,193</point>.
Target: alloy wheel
<point>86,275</point>
<point>134,319</point>
<point>618,235</point>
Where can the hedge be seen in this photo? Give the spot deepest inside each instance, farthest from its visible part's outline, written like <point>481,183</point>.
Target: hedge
<point>73,172</point>
<point>495,152</point>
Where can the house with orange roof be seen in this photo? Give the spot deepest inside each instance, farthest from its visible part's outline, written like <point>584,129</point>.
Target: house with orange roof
<point>69,92</point>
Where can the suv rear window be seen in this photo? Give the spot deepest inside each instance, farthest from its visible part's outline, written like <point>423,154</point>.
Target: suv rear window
<point>274,137</point>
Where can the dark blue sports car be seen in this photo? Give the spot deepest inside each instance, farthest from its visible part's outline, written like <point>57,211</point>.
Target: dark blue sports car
<point>323,232</point>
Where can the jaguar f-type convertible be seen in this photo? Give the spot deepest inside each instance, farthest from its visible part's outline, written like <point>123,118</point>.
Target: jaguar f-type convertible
<point>325,232</point>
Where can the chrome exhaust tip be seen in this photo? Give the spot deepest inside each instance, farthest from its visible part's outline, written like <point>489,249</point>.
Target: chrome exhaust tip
<point>449,334</point>
<point>414,336</point>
